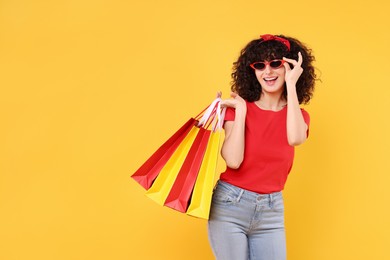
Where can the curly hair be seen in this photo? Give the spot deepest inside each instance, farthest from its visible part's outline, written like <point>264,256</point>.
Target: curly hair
<point>244,81</point>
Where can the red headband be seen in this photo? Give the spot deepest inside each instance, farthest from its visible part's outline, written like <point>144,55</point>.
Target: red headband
<point>270,37</point>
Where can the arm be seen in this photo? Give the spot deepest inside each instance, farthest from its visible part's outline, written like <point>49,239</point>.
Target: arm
<point>234,143</point>
<point>296,126</point>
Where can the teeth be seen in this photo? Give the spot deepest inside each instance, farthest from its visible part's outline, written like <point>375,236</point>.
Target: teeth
<point>273,78</point>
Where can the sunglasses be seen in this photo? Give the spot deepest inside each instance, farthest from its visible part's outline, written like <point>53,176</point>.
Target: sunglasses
<point>260,65</point>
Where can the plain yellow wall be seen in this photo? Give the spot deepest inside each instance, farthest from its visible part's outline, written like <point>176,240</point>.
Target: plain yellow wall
<point>89,89</point>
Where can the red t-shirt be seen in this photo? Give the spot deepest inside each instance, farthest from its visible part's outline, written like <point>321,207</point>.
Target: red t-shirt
<point>268,158</point>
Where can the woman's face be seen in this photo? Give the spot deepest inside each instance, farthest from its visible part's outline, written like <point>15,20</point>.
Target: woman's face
<point>271,79</point>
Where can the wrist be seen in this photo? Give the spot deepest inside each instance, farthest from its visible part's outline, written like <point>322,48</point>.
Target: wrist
<point>290,84</point>
<point>291,89</point>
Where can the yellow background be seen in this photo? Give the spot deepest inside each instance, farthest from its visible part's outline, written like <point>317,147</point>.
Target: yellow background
<point>89,89</point>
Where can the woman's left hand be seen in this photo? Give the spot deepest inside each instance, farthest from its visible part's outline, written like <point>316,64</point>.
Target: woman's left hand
<point>292,75</point>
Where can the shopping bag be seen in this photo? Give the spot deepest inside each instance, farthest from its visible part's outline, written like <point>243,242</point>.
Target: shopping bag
<point>203,189</point>
<point>180,193</point>
<point>164,181</point>
<point>148,172</point>
<point>168,174</point>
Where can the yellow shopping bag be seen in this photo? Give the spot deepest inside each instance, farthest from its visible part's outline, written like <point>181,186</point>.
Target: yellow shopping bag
<point>203,189</point>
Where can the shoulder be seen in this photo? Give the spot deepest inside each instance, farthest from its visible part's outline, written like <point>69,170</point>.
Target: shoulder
<point>231,112</point>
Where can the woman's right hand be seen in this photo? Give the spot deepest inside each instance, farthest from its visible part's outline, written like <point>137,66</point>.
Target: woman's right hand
<point>235,101</point>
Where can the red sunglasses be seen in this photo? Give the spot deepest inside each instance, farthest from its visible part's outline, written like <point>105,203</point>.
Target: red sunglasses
<point>260,65</point>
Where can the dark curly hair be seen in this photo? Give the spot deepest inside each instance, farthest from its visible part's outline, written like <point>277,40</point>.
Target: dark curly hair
<point>245,82</point>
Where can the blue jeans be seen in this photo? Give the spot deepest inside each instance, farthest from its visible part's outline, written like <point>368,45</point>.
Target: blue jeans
<point>246,225</point>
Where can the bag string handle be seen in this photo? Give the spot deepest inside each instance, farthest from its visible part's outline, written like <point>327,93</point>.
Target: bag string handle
<point>208,112</point>
<point>220,117</point>
<point>211,118</point>
<point>213,115</point>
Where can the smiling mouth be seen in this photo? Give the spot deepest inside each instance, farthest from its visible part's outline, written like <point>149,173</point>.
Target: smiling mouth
<point>270,79</point>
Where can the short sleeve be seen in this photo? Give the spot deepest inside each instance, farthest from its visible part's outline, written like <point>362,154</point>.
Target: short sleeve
<point>230,114</point>
<point>306,117</point>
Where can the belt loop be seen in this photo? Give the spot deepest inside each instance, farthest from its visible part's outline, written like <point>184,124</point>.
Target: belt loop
<point>271,201</point>
<point>239,196</point>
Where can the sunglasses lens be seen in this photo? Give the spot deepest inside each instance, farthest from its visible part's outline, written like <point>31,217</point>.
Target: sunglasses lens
<point>276,63</point>
<point>259,65</point>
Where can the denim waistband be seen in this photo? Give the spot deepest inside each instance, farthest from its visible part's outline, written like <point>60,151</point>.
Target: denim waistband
<point>248,193</point>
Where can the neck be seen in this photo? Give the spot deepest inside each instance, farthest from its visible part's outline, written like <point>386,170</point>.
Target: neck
<point>271,102</point>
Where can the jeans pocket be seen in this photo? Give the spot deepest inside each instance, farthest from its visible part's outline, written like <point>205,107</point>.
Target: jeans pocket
<point>225,195</point>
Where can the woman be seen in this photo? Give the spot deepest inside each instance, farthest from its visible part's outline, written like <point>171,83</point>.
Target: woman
<point>263,123</point>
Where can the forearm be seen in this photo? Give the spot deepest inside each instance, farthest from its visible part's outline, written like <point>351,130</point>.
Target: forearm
<point>234,144</point>
<point>296,126</point>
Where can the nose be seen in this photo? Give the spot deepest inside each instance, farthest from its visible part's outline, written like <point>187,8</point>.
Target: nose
<point>267,69</point>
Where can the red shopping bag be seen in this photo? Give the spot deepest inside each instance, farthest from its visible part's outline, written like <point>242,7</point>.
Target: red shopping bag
<point>148,172</point>
<point>181,190</point>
